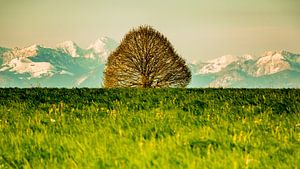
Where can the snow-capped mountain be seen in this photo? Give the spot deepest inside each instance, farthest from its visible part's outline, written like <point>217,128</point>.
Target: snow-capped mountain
<point>20,62</point>
<point>279,69</point>
<point>218,64</point>
<point>70,47</point>
<point>272,62</point>
<point>66,65</point>
<point>99,49</point>
<point>102,47</point>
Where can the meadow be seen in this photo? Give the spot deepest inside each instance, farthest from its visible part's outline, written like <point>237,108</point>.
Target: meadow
<point>149,128</point>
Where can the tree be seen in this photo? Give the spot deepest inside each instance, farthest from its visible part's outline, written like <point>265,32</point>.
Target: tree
<point>145,58</point>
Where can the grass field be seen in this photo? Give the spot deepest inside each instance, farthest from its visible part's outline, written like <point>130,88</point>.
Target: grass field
<point>149,128</point>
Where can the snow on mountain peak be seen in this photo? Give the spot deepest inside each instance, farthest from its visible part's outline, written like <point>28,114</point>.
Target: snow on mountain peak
<point>67,43</point>
<point>23,53</point>
<point>281,52</point>
<point>270,63</point>
<point>98,46</point>
<point>269,53</point>
<point>25,65</point>
<point>33,47</point>
<point>103,46</point>
<point>218,64</point>
<point>226,59</point>
<point>69,47</point>
<point>247,57</point>
<point>35,61</point>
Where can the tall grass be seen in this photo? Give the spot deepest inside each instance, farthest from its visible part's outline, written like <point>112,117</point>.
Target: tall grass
<point>149,128</point>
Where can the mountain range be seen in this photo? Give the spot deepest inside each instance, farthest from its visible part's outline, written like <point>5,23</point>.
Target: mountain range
<point>273,69</point>
<point>68,65</point>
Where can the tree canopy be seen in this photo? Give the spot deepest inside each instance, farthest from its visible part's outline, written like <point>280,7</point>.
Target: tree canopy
<point>145,58</point>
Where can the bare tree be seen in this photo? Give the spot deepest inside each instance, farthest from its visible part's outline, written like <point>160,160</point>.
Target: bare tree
<point>145,58</point>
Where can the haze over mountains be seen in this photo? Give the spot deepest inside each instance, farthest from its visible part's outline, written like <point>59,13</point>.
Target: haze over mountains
<point>68,65</point>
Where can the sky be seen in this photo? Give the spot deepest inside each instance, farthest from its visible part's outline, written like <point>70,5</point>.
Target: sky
<point>199,30</point>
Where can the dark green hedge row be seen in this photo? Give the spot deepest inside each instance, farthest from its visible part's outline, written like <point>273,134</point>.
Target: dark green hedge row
<point>279,100</point>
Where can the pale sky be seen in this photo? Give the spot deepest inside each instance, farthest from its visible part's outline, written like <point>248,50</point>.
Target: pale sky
<point>198,29</point>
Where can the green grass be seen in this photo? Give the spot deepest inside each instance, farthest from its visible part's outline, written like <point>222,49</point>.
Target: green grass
<point>149,128</point>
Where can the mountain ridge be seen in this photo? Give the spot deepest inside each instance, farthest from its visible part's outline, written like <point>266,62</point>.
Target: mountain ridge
<point>62,66</point>
<point>238,70</point>
<point>69,65</point>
